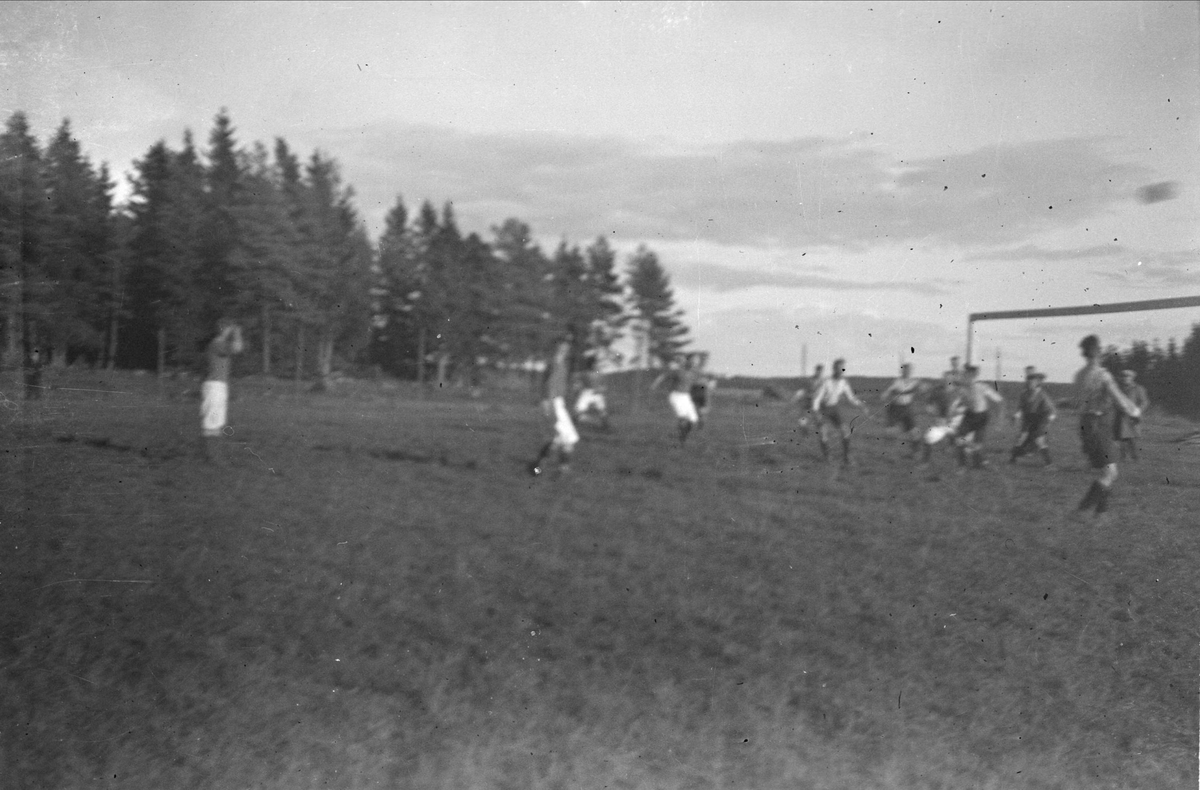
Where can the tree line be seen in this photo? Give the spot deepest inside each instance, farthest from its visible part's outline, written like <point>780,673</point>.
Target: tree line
<point>274,240</point>
<point>1170,375</point>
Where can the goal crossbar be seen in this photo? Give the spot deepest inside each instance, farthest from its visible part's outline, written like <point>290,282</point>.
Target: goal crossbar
<point>1089,309</point>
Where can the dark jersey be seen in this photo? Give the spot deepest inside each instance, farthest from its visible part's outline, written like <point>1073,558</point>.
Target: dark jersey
<point>1036,405</point>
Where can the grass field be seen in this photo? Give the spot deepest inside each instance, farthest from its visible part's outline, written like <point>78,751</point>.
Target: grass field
<point>371,594</point>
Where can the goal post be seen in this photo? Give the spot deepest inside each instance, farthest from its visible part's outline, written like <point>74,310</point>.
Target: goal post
<point>1090,309</point>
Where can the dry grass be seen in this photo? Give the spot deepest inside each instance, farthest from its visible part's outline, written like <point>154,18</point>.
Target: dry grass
<point>371,594</point>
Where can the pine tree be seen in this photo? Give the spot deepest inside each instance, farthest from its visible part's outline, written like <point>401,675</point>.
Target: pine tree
<point>193,291</point>
<point>267,240</point>
<point>444,282</point>
<point>336,268</point>
<point>524,325</point>
<point>428,300</point>
<point>166,300</point>
<point>395,333</point>
<point>463,270</point>
<point>587,298</point>
<point>300,308</point>
<point>661,328</point>
<point>607,294</point>
<point>24,286</point>
<point>223,195</point>
<point>77,260</point>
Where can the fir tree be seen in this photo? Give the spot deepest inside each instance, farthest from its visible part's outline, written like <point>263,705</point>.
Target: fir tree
<point>525,323</point>
<point>77,258</point>
<point>661,328</point>
<point>397,287</point>
<point>24,286</point>
<point>267,240</point>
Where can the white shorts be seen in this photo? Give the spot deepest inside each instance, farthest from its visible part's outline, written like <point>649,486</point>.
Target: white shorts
<point>214,407</point>
<point>565,435</point>
<point>590,399</point>
<point>684,407</point>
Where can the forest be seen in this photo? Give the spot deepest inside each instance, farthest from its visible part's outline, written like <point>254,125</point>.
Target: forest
<point>274,240</point>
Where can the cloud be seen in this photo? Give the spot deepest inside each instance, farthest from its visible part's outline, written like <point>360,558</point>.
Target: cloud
<point>718,278</point>
<point>812,191</point>
<point>772,341</point>
<point>1113,262</point>
<point>1152,268</point>
<point>1040,254</point>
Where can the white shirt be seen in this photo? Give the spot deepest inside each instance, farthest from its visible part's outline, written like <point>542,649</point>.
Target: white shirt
<point>978,395</point>
<point>905,390</point>
<point>831,392</point>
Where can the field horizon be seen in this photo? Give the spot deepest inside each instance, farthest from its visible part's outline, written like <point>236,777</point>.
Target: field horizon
<point>368,591</point>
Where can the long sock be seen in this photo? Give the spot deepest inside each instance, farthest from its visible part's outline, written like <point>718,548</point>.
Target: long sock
<point>824,449</point>
<point>1092,495</point>
<point>846,451</point>
<point>1014,455</point>
<point>1102,498</point>
<point>1046,456</point>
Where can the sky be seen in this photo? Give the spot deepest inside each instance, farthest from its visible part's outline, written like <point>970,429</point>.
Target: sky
<point>819,180</point>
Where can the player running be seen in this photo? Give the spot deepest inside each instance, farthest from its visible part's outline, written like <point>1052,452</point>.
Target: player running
<point>1035,412</point>
<point>591,406</point>
<point>680,378</point>
<point>1098,397</point>
<point>946,404</point>
<point>827,401</point>
<point>554,406</point>
<point>977,400</point>
<point>900,397</point>
<point>804,398</point>
<point>702,387</point>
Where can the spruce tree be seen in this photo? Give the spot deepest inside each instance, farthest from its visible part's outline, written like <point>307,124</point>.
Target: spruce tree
<point>397,287</point>
<point>336,267</point>
<point>525,323</point>
<point>607,296</point>
<point>76,261</point>
<point>259,263</point>
<point>662,331</point>
<point>24,286</point>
